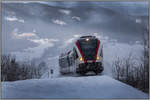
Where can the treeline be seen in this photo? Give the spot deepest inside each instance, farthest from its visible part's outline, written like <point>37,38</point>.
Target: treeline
<point>12,70</point>
<point>130,72</point>
<point>135,73</point>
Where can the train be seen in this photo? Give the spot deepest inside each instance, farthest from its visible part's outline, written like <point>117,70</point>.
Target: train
<point>86,56</point>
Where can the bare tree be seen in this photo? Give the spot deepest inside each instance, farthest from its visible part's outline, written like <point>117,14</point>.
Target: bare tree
<point>135,74</point>
<point>13,70</point>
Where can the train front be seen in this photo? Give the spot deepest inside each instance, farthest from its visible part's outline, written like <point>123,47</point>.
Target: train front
<point>89,55</point>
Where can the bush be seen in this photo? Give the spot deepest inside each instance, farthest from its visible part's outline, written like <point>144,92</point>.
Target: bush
<point>12,70</point>
<point>132,73</point>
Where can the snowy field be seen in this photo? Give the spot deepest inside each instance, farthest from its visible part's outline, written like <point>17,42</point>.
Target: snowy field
<point>70,87</point>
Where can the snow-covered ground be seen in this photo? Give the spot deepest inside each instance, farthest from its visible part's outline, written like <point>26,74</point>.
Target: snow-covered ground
<point>70,87</point>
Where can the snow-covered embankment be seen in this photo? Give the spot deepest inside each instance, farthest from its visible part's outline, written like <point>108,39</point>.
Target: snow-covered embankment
<point>70,87</point>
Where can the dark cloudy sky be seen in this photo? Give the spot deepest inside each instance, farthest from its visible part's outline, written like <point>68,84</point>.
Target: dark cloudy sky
<point>48,28</point>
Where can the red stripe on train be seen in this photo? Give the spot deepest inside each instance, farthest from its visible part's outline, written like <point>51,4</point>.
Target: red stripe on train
<point>97,47</point>
<point>78,46</point>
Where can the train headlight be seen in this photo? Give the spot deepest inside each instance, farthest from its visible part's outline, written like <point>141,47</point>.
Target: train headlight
<point>87,39</point>
<point>81,59</point>
<point>97,58</point>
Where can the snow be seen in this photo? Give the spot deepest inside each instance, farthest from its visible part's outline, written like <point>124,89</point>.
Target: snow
<point>70,87</point>
<point>53,64</point>
<point>114,50</point>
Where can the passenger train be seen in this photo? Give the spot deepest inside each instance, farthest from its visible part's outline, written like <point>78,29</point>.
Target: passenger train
<point>87,55</point>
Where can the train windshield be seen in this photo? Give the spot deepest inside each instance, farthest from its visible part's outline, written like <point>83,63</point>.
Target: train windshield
<point>88,48</point>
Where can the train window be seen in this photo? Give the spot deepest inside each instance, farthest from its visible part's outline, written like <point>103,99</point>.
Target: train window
<point>88,49</point>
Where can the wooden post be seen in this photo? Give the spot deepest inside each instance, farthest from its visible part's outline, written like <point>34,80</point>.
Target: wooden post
<point>52,73</point>
<point>48,74</point>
